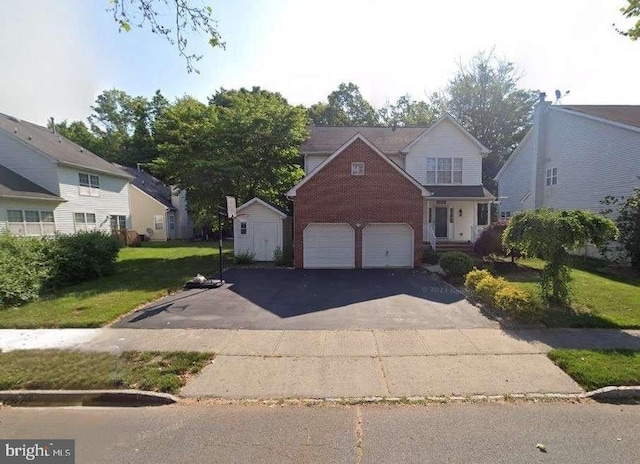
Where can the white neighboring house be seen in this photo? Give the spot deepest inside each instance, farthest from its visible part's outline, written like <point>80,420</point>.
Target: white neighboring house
<point>572,158</point>
<point>49,184</point>
<point>258,229</point>
<point>158,212</point>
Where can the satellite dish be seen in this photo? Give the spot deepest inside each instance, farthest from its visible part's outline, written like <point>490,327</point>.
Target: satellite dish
<point>558,95</point>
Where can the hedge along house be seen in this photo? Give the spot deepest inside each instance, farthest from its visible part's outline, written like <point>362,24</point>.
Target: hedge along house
<point>377,196</point>
<point>259,228</point>
<point>158,212</point>
<point>52,185</point>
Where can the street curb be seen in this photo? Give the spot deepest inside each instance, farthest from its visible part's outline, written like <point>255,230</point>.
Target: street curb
<point>615,394</point>
<point>112,398</point>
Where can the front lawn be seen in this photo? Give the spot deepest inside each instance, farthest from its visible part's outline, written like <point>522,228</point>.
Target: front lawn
<point>143,275</point>
<point>603,295</point>
<point>76,370</point>
<point>595,369</point>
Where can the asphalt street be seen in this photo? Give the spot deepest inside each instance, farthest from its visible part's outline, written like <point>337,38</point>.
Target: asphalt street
<point>436,433</point>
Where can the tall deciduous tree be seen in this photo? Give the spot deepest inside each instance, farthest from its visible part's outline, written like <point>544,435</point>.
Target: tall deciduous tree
<point>345,107</point>
<point>243,143</point>
<point>408,112</point>
<point>632,11</point>
<point>550,235</point>
<point>485,97</point>
<point>172,20</point>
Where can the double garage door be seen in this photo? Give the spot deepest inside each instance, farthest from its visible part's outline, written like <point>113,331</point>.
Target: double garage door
<point>332,246</point>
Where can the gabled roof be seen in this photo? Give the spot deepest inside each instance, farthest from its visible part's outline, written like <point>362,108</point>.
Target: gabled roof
<point>358,136</point>
<point>56,146</point>
<point>513,155</point>
<point>269,206</point>
<point>460,191</point>
<point>623,114</point>
<point>388,140</point>
<point>447,117</point>
<point>150,185</point>
<point>13,185</point>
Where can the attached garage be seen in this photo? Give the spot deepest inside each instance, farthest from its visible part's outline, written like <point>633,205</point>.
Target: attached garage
<point>329,246</point>
<point>387,245</point>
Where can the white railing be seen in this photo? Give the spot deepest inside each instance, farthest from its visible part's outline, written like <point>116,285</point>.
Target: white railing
<point>430,233</point>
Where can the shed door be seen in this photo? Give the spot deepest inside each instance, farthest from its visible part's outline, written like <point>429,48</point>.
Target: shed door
<point>265,240</point>
<point>387,245</point>
<point>329,246</point>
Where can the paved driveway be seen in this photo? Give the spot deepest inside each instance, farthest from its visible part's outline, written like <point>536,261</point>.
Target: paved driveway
<point>315,300</point>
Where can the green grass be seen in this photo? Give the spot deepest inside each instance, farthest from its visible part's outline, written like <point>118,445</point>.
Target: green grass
<point>71,370</point>
<point>143,275</point>
<point>602,295</point>
<point>595,369</point>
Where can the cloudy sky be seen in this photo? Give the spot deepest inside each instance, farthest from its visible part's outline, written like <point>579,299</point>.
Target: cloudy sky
<point>57,56</point>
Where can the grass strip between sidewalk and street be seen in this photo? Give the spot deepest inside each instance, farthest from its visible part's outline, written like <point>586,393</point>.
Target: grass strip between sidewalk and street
<point>76,370</point>
<point>594,369</point>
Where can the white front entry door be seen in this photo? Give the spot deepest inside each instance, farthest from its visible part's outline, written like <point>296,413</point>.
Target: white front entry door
<point>387,245</point>
<point>265,240</point>
<point>329,246</point>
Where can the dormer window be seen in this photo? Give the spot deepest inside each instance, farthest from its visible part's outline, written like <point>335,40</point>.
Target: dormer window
<point>357,169</point>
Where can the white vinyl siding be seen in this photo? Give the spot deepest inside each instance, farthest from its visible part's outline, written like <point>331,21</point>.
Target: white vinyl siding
<point>517,182</point>
<point>387,245</point>
<point>445,141</point>
<point>329,246</point>
<point>257,230</point>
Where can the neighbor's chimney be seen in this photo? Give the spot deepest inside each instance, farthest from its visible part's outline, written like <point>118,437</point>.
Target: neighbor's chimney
<point>542,96</point>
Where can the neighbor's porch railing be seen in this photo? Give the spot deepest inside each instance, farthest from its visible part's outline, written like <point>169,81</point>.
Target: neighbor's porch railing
<point>430,233</point>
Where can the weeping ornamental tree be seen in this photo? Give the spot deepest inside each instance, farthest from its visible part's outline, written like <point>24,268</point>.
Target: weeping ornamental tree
<point>550,235</point>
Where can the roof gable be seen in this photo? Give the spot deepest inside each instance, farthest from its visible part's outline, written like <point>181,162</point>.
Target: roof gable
<point>328,139</point>
<point>515,153</point>
<point>55,146</point>
<point>447,117</point>
<point>149,185</point>
<point>13,185</point>
<point>358,136</point>
<point>264,204</point>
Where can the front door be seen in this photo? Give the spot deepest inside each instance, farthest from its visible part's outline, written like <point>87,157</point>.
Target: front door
<point>441,222</point>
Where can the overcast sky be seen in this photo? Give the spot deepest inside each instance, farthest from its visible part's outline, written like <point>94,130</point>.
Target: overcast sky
<point>57,56</point>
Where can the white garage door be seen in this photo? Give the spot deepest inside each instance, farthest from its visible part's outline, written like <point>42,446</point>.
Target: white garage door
<point>329,246</point>
<point>387,245</point>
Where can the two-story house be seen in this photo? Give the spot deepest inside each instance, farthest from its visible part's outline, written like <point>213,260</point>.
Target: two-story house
<point>572,158</point>
<point>375,196</point>
<point>49,184</point>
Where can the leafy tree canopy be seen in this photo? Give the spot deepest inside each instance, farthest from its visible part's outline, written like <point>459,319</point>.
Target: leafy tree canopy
<point>172,20</point>
<point>550,235</point>
<point>627,213</point>
<point>409,112</point>
<point>345,107</point>
<point>632,11</point>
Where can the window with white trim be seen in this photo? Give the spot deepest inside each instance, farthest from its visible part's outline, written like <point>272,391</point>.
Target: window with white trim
<point>444,170</point>
<point>30,222</point>
<point>172,222</point>
<point>89,185</point>
<point>552,176</point>
<point>117,223</point>
<point>84,221</point>
<point>243,227</point>
<point>357,168</point>
<point>158,222</point>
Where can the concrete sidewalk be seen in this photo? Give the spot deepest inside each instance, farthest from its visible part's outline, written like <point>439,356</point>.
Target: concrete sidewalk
<point>323,364</point>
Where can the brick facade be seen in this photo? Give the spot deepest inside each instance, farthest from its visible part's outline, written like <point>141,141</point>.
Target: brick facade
<point>382,194</point>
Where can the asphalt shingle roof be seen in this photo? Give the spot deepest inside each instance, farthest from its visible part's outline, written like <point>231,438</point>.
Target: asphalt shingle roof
<point>55,145</point>
<point>150,185</point>
<point>13,185</point>
<point>327,139</point>
<point>625,114</point>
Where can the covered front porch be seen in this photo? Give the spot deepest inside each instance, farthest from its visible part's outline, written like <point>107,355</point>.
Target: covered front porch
<point>456,219</point>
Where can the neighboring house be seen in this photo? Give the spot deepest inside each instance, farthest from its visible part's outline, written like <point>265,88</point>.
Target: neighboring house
<point>158,212</point>
<point>258,229</point>
<point>372,195</point>
<point>572,158</point>
<point>48,184</point>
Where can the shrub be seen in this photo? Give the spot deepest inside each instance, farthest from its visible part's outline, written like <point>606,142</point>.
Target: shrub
<point>490,241</point>
<point>23,269</point>
<point>514,300</point>
<point>474,276</point>
<point>244,257</point>
<point>455,263</point>
<point>81,257</point>
<point>430,257</point>
<point>282,258</point>
<point>487,288</point>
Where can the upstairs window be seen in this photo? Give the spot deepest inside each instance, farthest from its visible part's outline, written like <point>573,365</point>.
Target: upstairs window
<point>357,169</point>
<point>444,170</point>
<point>89,184</point>
<point>552,176</point>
